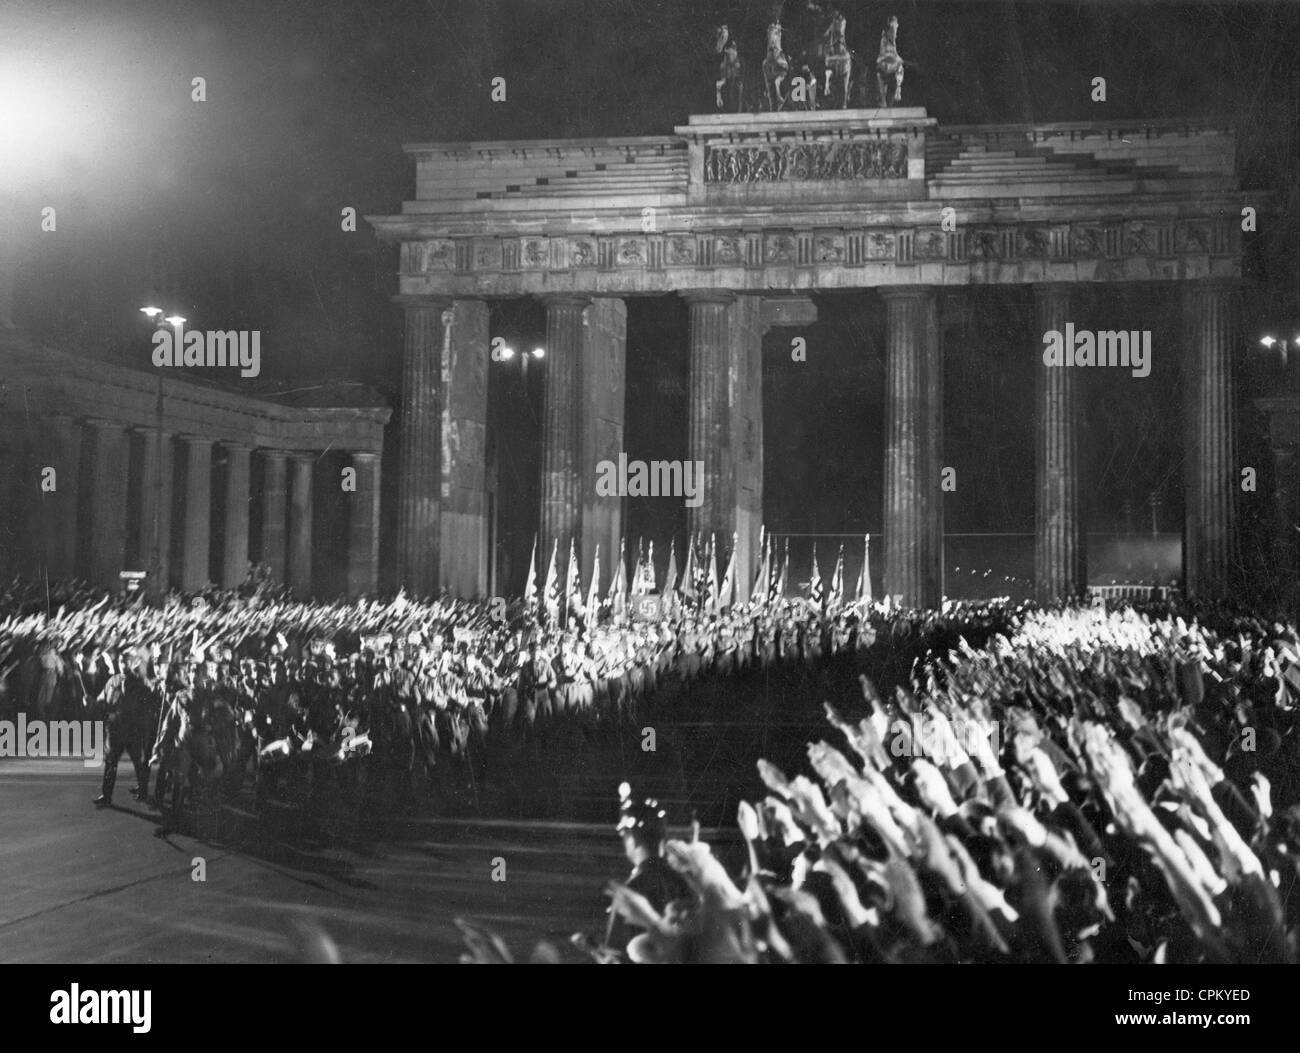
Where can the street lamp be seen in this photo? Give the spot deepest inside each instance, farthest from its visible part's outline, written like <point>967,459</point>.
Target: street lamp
<point>155,315</point>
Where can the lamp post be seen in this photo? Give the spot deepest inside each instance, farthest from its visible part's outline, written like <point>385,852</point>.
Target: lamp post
<point>1287,354</point>
<point>155,315</point>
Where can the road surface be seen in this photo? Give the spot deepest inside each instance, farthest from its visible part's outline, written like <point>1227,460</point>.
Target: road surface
<point>84,885</point>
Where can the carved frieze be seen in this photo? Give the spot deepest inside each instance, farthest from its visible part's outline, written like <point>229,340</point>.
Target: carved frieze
<point>583,253</point>
<point>806,162</point>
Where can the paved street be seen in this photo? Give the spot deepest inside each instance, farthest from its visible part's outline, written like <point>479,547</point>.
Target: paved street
<point>81,885</point>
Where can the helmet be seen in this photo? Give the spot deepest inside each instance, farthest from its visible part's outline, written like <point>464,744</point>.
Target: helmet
<point>644,819</point>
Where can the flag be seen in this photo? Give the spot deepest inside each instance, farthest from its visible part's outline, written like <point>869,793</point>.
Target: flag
<point>670,583</point>
<point>727,593</point>
<point>572,585</point>
<point>688,574</point>
<point>836,595</point>
<point>551,598</point>
<point>593,591</point>
<point>758,594</point>
<point>650,584</point>
<point>711,586</point>
<point>864,579</point>
<point>777,592</point>
<point>530,587</point>
<point>617,596</point>
<point>815,591</point>
<point>638,572</point>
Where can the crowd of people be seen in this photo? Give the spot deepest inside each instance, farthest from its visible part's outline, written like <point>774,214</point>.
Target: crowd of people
<point>1093,785</point>
<point>1009,783</point>
<point>213,687</point>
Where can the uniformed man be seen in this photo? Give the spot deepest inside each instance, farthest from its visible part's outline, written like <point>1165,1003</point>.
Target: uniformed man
<point>643,830</point>
<point>126,705</point>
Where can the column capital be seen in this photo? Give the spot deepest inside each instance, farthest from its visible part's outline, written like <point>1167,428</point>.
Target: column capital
<point>104,424</point>
<point>718,296</point>
<point>236,447</point>
<point>365,456</point>
<point>907,292</point>
<point>415,302</point>
<point>299,456</point>
<point>271,453</point>
<point>150,430</point>
<point>577,300</point>
<point>196,440</point>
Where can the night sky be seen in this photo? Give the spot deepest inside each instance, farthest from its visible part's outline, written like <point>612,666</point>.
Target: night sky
<point>229,208</point>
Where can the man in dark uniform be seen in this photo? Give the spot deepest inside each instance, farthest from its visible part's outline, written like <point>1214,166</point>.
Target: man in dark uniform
<point>126,700</point>
<point>642,827</point>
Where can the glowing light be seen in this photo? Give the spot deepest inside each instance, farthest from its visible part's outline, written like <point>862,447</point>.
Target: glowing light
<point>152,312</point>
<point>1268,341</point>
<point>174,319</point>
<point>539,352</point>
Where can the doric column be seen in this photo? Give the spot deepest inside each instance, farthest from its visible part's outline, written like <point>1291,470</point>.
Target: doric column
<point>746,326</point>
<point>300,513</point>
<point>234,549</point>
<point>708,438</point>
<point>1209,308</point>
<point>60,505</point>
<point>196,536</point>
<point>418,527</point>
<point>912,560</point>
<point>561,517</point>
<point>603,399</point>
<point>155,508</point>
<point>110,456</point>
<point>274,513</point>
<point>1059,556</point>
<point>462,500</point>
<point>363,527</point>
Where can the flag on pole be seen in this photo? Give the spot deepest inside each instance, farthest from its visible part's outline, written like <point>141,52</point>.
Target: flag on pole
<point>648,572</point>
<point>670,584</point>
<point>727,593</point>
<point>762,581</point>
<point>530,586</point>
<point>638,572</point>
<point>836,594</point>
<point>815,591</point>
<point>777,592</point>
<point>551,597</point>
<point>617,596</point>
<point>572,586</point>
<point>593,591</point>
<point>688,574</point>
<point>864,579</point>
<point>711,586</point>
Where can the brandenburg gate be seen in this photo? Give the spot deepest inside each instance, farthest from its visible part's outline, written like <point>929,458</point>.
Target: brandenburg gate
<point>747,216</point>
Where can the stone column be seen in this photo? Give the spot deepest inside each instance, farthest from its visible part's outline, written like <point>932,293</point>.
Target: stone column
<point>462,499</point>
<point>110,457</point>
<point>561,517</point>
<point>603,399</point>
<point>1059,556</point>
<point>274,513</point>
<point>300,513</point>
<point>1209,308</point>
<point>234,554</point>
<point>155,509</point>
<point>196,538</point>
<point>363,527</point>
<point>911,485</point>
<point>418,528</point>
<point>60,505</point>
<point>746,325</point>
<point>709,421</point>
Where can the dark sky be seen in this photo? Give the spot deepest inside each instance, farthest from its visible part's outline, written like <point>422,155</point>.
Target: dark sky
<point>232,205</point>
